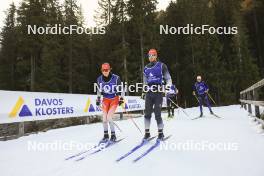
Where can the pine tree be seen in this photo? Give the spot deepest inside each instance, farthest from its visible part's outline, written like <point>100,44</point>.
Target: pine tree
<point>32,13</point>
<point>70,14</point>
<point>104,13</point>
<point>191,55</point>
<point>142,14</point>
<point>235,53</point>
<point>51,68</point>
<point>118,29</point>
<point>247,71</point>
<point>9,45</point>
<point>253,11</point>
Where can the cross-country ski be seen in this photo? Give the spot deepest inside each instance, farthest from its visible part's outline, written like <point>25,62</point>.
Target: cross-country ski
<point>83,152</point>
<point>157,143</point>
<point>104,147</point>
<point>144,142</point>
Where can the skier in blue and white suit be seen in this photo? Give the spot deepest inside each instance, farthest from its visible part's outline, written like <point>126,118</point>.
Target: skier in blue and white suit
<point>201,89</point>
<point>155,75</point>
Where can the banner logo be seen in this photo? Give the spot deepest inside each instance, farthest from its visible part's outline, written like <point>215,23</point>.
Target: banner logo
<point>89,107</point>
<point>24,111</point>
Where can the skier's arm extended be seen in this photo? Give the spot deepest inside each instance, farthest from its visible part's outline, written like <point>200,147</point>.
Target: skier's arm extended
<point>166,74</point>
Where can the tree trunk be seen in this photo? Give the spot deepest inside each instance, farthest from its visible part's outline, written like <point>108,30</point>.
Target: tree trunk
<point>124,47</point>
<point>109,11</point>
<point>13,74</point>
<point>91,63</point>
<point>32,76</point>
<point>70,57</point>
<point>70,66</point>
<point>142,54</point>
<point>259,37</point>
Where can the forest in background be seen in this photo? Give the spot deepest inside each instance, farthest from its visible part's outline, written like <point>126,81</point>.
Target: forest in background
<point>71,63</point>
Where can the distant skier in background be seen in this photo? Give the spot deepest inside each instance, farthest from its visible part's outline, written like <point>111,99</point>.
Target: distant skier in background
<point>171,98</point>
<point>201,90</point>
<point>155,73</point>
<point>112,97</point>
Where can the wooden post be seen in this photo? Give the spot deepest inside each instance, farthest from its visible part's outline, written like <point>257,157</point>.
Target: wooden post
<point>249,105</point>
<point>249,108</point>
<point>241,97</point>
<point>244,98</point>
<point>245,95</point>
<point>21,131</point>
<point>87,120</point>
<point>121,116</point>
<point>255,97</point>
<point>257,113</point>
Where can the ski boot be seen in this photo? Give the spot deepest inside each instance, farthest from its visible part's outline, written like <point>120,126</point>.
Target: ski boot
<point>211,112</point>
<point>105,138</point>
<point>160,135</point>
<point>201,115</point>
<point>147,135</point>
<point>113,137</point>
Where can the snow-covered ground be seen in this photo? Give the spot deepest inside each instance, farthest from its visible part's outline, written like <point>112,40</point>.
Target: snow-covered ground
<point>244,157</point>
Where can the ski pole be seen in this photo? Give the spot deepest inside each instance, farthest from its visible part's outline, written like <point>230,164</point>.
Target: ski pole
<point>117,127</point>
<point>179,107</point>
<point>211,98</point>
<point>131,118</point>
<point>196,98</point>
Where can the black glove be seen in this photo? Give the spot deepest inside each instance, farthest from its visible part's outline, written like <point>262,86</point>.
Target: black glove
<point>98,101</point>
<point>121,101</point>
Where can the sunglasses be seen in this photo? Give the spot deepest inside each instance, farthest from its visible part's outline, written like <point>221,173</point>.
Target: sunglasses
<point>105,70</point>
<point>152,55</point>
